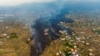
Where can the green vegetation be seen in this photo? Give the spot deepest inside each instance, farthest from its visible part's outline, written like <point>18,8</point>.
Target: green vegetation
<point>67,53</point>
<point>1,50</point>
<point>16,47</point>
<point>97,31</point>
<point>13,36</point>
<point>68,44</point>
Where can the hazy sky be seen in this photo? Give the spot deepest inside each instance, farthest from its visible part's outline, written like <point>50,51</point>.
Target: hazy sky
<point>18,2</point>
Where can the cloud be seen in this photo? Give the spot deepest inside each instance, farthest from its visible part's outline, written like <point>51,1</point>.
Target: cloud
<point>18,2</point>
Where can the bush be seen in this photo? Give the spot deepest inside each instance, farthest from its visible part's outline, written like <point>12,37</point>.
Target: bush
<point>13,36</point>
<point>68,44</point>
<point>98,31</point>
<point>67,53</point>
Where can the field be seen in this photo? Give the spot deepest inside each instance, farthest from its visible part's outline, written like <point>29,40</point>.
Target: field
<point>14,39</point>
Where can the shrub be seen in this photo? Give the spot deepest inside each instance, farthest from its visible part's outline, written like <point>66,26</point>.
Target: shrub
<point>13,36</point>
<point>67,53</point>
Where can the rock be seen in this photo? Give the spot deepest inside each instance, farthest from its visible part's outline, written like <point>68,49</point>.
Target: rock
<point>6,27</point>
<point>60,52</point>
<point>87,37</point>
<point>8,36</point>
<point>78,39</point>
<point>73,53</point>
<point>46,30</point>
<point>75,50</point>
<point>5,34</point>
<point>62,32</point>
<point>57,54</point>
<point>45,33</point>
<point>83,41</point>
<point>29,40</point>
<point>87,43</point>
<point>75,46</point>
<point>91,54</point>
<point>90,50</point>
<point>72,49</point>
<point>63,39</point>
<point>76,55</point>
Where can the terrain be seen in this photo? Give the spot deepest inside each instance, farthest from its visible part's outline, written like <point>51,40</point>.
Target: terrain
<point>50,29</point>
<point>84,40</point>
<point>14,39</point>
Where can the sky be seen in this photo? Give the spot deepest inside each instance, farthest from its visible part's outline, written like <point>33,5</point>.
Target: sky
<point>18,2</point>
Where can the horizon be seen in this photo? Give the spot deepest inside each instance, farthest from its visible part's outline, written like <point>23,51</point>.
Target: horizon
<point>5,3</point>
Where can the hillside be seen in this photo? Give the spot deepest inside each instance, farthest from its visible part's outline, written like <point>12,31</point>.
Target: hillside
<point>14,39</point>
<point>84,40</point>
